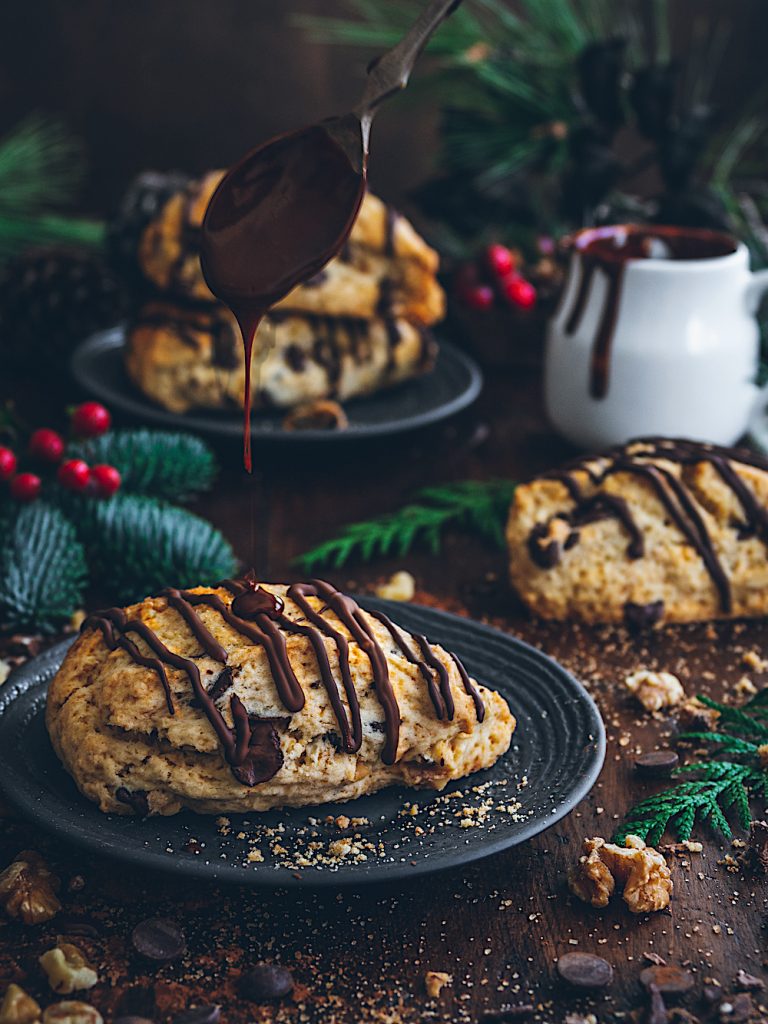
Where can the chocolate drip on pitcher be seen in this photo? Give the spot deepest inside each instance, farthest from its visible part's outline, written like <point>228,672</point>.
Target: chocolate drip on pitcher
<point>609,249</point>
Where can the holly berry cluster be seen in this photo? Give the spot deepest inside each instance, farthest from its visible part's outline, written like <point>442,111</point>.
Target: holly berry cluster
<point>47,448</point>
<point>495,275</point>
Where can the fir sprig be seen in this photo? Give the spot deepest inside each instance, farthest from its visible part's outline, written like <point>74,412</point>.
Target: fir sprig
<point>720,786</point>
<point>479,505</point>
<point>42,568</point>
<point>157,463</point>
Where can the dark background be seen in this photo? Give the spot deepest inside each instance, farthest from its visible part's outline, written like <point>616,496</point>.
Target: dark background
<point>193,83</point>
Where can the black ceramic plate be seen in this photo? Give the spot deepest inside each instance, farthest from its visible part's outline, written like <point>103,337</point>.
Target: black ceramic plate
<point>558,748</point>
<point>453,385</point>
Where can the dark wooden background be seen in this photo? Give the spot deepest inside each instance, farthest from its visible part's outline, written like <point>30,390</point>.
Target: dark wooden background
<point>193,83</point>
<point>190,83</point>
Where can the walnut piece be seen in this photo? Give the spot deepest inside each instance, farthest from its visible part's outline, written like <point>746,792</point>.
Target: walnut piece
<point>18,1008</point>
<point>70,1011</point>
<point>639,870</point>
<point>67,969</point>
<point>399,587</point>
<point>655,690</point>
<point>319,414</point>
<point>28,889</point>
<point>435,982</point>
<point>693,716</point>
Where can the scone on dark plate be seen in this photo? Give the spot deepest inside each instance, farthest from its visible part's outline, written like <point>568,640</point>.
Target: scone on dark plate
<point>658,530</point>
<point>244,697</point>
<point>191,357</point>
<point>386,268</point>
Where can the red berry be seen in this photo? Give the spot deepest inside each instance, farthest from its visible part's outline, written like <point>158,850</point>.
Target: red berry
<point>500,260</point>
<point>91,419</point>
<point>107,480</point>
<point>74,474</point>
<point>47,445</point>
<point>26,486</point>
<point>479,296</point>
<point>519,292</point>
<point>7,463</point>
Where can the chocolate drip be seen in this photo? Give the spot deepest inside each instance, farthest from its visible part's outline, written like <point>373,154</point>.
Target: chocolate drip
<point>350,614</point>
<point>251,745</point>
<point>671,492</point>
<point>114,624</point>
<point>609,249</point>
<point>470,688</point>
<point>392,217</point>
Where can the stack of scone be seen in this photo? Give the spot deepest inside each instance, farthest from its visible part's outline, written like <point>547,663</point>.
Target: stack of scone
<point>358,326</point>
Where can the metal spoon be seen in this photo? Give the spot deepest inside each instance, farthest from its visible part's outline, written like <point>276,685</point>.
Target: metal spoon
<point>282,212</point>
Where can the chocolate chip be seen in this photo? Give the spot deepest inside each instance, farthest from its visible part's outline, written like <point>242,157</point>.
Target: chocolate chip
<point>748,982</point>
<point>266,981</point>
<point>643,616</point>
<point>712,993</point>
<point>585,970</point>
<point>198,1015</point>
<point>668,979</point>
<point>159,939</point>
<point>136,799</point>
<point>656,764</point>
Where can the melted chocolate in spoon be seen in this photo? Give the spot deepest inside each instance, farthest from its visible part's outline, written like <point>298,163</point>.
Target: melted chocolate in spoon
<point>287,208</point>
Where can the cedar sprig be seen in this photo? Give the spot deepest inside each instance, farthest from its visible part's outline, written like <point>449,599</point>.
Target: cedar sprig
<point>720,787</point>
<point>478,505</point>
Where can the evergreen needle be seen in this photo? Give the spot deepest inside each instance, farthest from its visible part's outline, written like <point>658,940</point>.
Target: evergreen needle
<point>481,506</point>
<point>721,787</point>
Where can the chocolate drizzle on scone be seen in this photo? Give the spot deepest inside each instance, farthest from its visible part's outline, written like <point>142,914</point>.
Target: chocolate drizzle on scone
<point>251,745</point>
<point>645,458</point>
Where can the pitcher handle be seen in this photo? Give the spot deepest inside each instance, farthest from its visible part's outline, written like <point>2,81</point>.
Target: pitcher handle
<point>756,288</point>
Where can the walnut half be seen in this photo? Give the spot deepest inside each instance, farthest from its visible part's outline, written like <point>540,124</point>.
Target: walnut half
<point>67,969</point>
<point>28,889</point>
<point>18,1008</point>
<point>655,690</point>
<point>638,869</point>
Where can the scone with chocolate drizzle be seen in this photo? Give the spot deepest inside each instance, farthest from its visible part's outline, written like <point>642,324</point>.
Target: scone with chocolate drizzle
<point>248,696</point>
<point>658,530</point>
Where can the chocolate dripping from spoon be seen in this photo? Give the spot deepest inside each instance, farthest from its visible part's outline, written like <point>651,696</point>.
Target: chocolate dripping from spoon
<point>287,208</point>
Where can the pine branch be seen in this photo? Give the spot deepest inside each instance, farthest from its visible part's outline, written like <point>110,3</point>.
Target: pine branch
<point>480,506</point>
<point>680,807</point>
<point>720,787</point>
<point>157,463</point>
<point>42,569</point>
<point>137,546</point>
<point>41,169</point>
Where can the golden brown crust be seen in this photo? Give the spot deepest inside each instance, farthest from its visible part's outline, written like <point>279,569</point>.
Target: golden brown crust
<point>192,357</point>
<point>595,576</point>
<point>386,266</point>
<point>111,726</point>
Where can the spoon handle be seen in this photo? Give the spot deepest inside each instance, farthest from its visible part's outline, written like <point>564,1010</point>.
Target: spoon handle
<point>389,73</point>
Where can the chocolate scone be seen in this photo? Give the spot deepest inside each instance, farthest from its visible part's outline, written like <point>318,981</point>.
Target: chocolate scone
<point>244,696</point>
<point>386,268</point>
<point>658,530</point>
<point>191,357</point>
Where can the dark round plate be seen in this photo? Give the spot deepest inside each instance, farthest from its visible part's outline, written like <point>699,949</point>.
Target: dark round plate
<point>558,747</point>
<point>455,383</point>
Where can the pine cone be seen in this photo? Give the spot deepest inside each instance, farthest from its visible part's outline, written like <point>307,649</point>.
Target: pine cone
<point>50,300</point>
<point>145,197</point>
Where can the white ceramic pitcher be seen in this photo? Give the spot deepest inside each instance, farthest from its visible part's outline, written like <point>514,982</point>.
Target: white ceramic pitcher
<point>679,354</point>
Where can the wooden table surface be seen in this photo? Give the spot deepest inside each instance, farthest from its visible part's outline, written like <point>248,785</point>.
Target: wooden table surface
<point>497,927</point>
